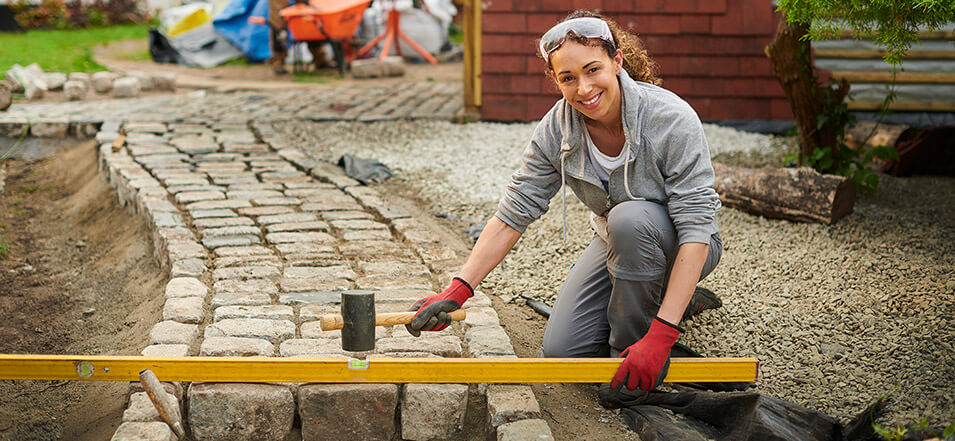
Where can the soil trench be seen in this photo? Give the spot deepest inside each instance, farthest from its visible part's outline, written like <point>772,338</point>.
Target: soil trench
<point>77,276</point>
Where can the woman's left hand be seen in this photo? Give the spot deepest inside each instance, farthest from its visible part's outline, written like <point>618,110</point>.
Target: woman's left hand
<point>644,359</point>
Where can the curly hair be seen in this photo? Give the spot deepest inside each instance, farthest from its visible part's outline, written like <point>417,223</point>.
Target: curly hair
<point>636,61</point>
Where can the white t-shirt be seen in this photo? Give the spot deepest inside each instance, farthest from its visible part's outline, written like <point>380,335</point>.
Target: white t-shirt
<point>602,163</point>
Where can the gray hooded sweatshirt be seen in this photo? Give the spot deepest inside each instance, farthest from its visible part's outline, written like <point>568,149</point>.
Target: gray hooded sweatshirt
<point>667,161</point>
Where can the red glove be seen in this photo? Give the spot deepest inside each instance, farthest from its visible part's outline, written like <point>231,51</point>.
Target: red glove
<point>433,310</point>
<point>645,358</point>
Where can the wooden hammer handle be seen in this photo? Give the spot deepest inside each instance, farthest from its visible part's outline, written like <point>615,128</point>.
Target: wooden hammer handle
<point>167,411</point>
<point>332,322</point>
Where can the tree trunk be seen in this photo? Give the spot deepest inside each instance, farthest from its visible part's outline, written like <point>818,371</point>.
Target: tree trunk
<point>799,194</point>
<point>791,58</point>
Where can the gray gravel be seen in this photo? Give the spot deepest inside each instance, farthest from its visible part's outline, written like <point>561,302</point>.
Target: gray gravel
<point>838,315</point>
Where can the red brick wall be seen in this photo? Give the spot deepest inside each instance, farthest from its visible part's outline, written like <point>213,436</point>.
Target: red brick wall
<point>710,52</point>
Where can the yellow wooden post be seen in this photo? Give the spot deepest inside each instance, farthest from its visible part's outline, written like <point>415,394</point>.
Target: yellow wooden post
<point>472,59</point>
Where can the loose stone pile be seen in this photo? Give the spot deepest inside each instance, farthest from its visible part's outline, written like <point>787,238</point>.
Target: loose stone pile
<point>260,241</point>
<point>34,83</point>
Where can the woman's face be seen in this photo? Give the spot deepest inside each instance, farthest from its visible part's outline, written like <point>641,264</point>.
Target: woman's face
<point>587,77</point>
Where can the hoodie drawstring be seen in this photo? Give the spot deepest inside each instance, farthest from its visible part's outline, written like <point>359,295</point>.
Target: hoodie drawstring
<point>563,196</point>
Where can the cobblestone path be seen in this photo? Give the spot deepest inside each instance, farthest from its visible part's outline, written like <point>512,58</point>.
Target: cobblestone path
<point>260,241</point>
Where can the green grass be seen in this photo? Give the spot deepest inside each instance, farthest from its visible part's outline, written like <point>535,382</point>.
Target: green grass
<point>4,246</point>
<point>63,51</point>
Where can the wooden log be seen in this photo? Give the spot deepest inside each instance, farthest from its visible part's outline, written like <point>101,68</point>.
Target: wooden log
<point>798,194</point>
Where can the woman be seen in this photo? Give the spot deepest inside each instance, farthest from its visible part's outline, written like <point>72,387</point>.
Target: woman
<point>635,154</point>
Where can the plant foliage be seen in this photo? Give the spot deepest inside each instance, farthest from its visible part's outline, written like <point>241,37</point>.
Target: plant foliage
<point>76,14</point>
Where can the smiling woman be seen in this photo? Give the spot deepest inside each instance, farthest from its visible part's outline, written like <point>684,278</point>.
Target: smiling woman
<point>635,154</point>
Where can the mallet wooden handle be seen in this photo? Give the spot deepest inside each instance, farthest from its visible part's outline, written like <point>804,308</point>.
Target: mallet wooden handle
<point>332,322</point>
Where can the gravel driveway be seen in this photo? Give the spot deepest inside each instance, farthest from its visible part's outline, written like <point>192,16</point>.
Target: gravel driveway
<point>838,315</point>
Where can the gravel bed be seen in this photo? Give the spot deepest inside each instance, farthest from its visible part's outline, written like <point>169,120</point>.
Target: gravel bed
<point>838,315</point>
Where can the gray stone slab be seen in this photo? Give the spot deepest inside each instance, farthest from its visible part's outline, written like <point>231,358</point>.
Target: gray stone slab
<point>258,186</point>
<point>525,430</point>
<point>365,235</point>
<point>234,230</point>
<point>246,272</point>
<point>142,410</point>
<point>143,431</point>
<point>358,224</point>
<point>383,282</point>
<point>187,197</point>
<point>230,241</point>
<point>293,227</point>
<point>478,316</point>
<point>305,248</point>
<point>346,215</point>
<point>265,211</point>
<point>432,411</point>
<point>286,218</point>
<point>315,237</point>
<point>170,332</point>
<point>185,287</point>
<point>165,350</point>
<point>252,250</point>
<point>311,347</point>
<point>277,202</point>
<point>408,296</point>
<point>320,272</point>
<point>208,214</point>
<point>331,206</point>
<point>215,205</point>
<point>218,222</point>
<point>185,250</point>
<point>240,299</point>
<point>314,311</point>
<point>314,330</point>
<point>446,346</point>
<point>254,194</point>
<point>175,189</point>
<point>394,269</point>
<point>488,341</point>
<point>507,403</point>
<point>275,331</point>
<point>184,309</point>
<point>348,411</point>
<point>246,411</point>
<point>249,286</point>
<point>302,298</point>
<point>306,285</point>
<point>271,312</point>
<point>236,347</point>
<point>259,260</point>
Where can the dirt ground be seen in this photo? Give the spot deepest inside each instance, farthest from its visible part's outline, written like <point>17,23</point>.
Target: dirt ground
<point>77,277</point>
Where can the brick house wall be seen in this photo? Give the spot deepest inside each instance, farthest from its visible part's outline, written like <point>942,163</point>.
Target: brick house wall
<point>710,52</point>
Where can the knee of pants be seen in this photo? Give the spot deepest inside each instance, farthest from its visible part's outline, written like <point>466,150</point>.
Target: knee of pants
<point>637,231</point>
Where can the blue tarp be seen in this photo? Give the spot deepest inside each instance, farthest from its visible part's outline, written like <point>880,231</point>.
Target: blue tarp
<point>233,24</point>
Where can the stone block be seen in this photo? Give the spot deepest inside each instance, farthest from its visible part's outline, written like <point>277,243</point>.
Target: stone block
<point>507,403</point>
<point>447,346</point>
<point>358,224</point>
<point>187,197</point>
<point>82,77</point>
<point>321,285</point>
<point>218,222</point>
<point>164,81</point>
<point>315,237</point>
<point>188,268</point>
<point>364,235</point>
<point>185,250</point>
<point>145,79</point>
<point>393,66</point>
<point>240,411</point>
<point>163,350</point>
<point>151,431</point>
<point>383,283</point>
<point>297,227</point>
<point>265,211</point>
<point>225,262</point>
<point>302,298</point>
<point>367,68</point>
<point>240,299</point>
<point>481,317</point>
<point>219,204</point>
<point>275,331</point>
<point>488,341</point>
<point>314,330</point>
<point>271,312</point>
<point>142,410</point>
<point>346,215</point>
<point>229,241</point>
<point>236,230</point>
<point>432,411</point>
<point>170,332</point>
<point>50,128</point>
<point>103,81</point>
<point>525,430</point>
<point>75,90</point>
<point>314,311</point>
<point>394,269</point>
<point>183,309</point>
<point>307,247</point>
<point>277,202</point>
<point>315,272</point>
<point>478,300</point>
<point>236,347</point>
<point>348,411</point>
<point>311,347</point>
<point>252,250</point>
<point>185,287</point>
<point>55,80</point>
<point>401,296</point>
<point>249,286</point>
<point>126,87</point>
<point>6,99</point>
<point>246,273</point>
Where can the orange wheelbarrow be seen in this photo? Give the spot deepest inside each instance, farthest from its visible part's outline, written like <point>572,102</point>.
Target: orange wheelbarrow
<point>334,21</point>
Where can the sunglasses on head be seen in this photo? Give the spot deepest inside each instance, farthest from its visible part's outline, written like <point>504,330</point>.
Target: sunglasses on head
<point>588,27</point>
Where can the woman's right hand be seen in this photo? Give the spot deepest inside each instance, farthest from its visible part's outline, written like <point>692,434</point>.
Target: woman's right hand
<point>433,310</point>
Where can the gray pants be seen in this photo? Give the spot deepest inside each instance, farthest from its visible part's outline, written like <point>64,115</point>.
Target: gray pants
<point>615,289</point>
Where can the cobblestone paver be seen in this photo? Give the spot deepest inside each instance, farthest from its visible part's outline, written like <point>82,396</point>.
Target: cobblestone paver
<point>260,241</point>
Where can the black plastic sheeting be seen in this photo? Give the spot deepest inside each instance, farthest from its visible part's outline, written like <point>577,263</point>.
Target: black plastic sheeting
<point>366,171</point>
